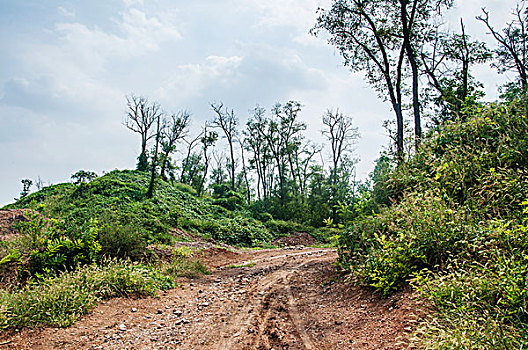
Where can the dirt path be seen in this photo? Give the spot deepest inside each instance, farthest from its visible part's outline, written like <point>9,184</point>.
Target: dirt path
<point>284,299</point>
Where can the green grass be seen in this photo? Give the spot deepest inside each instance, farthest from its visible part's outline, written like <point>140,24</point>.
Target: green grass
<point>60,301</point>
<point>251,264</point>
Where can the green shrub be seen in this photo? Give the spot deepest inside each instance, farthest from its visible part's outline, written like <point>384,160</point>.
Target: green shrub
<point>122,241</point>
<point>185,264</point>
<point>60,301</point>
<point>282,228</point>
<point>458,230</point>
<point>185,188</point>
<point>45,247</point>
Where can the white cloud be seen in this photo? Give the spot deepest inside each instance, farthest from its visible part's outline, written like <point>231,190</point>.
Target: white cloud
<point>191,80</point>
<point>133,2</point>
<point>73,69</point>
<point>65,12</point>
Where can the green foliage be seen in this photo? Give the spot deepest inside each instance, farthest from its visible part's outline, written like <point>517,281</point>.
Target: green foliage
<point>26,187</point>
<point>45,247</point>
<point>456,227</point>
<point>129,221</point>
<point>185,188</point>
<point>122,239</point>
<point>241,231</point>
<point>185,264</point>
<point>142,163</point>
<point>282,228</point>
<point>83,176</point>
<point>60,301</point>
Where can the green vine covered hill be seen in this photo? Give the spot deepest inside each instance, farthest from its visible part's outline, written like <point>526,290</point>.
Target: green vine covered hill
<point>118,199</point>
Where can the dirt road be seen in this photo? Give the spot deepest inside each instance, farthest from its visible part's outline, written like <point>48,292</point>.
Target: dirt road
<point>281,299</point>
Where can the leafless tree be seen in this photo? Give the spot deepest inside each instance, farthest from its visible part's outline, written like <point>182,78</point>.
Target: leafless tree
<point>512,53</point>
<point>141,116</point>
<point>227,121</point>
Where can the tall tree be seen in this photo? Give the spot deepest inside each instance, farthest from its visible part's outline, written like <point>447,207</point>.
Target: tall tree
<point>364,33</point>
<point>141,116</point>
<point>189,161</point>
<point>154,165</point>
<point>208,140</point>
<point>342,135</point>
<point>174,129</point>
<point>512,53</point>
<point>227,121</point>
<point>375,36</point>
<point>414,24</point>
<point>218,174</point>
<point>245,170</point>
<point>255,142</point>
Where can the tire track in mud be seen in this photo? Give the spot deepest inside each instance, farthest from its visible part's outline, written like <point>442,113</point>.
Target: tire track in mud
<point>260,322</point>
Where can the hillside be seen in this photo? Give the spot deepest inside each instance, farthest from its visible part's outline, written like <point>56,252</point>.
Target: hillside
<point>118,198</point>
<point>456,230</point>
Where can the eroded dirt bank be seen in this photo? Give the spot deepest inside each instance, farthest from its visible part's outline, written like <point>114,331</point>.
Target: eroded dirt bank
<point>284,299</point>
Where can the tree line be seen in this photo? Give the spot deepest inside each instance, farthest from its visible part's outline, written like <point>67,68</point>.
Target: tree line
<point>268,164</point>
<point>398,44</point>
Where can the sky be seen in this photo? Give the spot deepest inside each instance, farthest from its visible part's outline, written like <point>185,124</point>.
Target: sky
<point>66,67</point>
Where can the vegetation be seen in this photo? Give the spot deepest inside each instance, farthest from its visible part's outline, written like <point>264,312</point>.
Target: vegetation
<point>456,229</point>
<point>60,301</point>
<point>448,216</point>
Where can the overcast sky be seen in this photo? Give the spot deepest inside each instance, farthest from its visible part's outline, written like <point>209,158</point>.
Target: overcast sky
<point>66,67</point>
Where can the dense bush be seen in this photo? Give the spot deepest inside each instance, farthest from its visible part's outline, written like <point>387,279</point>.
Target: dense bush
<point>282,228</point>
<point>45,247</point>
<point>455,227</point>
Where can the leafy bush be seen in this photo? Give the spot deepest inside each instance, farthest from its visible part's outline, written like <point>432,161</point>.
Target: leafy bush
<point>185,264</point>
<point>282,228</point>
<point>46,247</point>
<point>457,229</point>
<point>241,231</point>
<point>122,241</point>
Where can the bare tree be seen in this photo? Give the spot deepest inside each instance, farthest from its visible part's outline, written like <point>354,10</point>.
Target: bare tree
<point>447,63</point>
<point>244,170</point>
<point>342,135</point>
<point>208,140</point>
<point>227,121</point>
<point>512,53</point>
<point>154,165</point>
<point>141,116</point>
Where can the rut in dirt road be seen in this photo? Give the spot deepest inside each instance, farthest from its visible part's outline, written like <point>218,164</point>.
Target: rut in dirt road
<point>266,312</point>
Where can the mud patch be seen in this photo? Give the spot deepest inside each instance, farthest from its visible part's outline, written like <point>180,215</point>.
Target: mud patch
<point>296,239</point>
<point>215,257</point>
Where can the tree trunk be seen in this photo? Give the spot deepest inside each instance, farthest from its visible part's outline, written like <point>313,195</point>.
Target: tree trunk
<point>150,191</point>
<point>411,56</point>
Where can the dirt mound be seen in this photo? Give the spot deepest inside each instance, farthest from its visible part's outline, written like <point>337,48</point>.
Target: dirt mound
<point>296,239</point>
<point>8,220</point>
<point>216,257</point>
